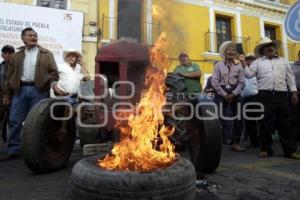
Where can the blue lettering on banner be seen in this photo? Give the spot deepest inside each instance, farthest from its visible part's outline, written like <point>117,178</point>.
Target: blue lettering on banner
<point>292,22</point>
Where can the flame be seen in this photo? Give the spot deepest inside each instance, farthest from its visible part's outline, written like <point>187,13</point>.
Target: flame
<point>144,143</point>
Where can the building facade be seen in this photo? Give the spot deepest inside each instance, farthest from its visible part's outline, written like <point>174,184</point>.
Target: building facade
<point>197,27</point>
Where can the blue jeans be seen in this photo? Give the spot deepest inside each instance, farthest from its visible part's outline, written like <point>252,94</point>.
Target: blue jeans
<point>22,102</point>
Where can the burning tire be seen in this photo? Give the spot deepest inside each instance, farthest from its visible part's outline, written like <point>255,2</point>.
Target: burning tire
<point>45,146</point>
<point>176,182</point>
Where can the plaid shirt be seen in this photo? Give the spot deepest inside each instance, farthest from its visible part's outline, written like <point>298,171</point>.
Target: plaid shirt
<point>3,70</point>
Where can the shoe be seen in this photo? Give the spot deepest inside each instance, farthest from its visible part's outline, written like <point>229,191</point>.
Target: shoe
<point>9,156</point>
<point>237,148</point>
<point>295,156</point>
<point>264,154</point>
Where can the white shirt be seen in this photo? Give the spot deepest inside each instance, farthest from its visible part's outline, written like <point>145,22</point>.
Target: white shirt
<point>69,79</point>
<point>250,88</point>
<point>29,64</point>
<point>272,74</point>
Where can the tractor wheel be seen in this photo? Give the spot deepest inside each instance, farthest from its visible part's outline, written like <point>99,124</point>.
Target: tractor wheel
<point>199,138</point>
<point>205,141</point>
<point>47,143</point>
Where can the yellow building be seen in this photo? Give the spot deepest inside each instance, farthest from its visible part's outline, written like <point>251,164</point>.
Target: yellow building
<point>197,27</point>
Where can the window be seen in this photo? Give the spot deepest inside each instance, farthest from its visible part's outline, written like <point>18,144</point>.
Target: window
<point>223,30</point>
<point>60,4</point>
<point>270,32</point>
<point>129,18</point>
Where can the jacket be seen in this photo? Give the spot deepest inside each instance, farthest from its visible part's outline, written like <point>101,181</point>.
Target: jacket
<point>45,72</point>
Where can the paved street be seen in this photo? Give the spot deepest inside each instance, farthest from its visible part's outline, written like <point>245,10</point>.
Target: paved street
<point>241,176</point>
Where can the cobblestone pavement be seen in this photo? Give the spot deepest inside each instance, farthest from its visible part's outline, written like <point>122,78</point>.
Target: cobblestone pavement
<point>241,176</point>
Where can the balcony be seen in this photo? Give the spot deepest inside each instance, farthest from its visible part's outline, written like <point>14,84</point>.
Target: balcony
<point>135,29</point>
<point>277,2</point>
<point>214,40</point>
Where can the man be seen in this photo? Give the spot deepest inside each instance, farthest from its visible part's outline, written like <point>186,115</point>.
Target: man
<point>296,109</point>
<point>32,71</point>
<point>275,78</point>
<point>191,73</point>
<point>228,81</point>
<point>6,53</point>
<point>249,95</point>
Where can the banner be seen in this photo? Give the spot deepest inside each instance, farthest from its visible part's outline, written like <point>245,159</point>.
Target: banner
<point>57,29</point>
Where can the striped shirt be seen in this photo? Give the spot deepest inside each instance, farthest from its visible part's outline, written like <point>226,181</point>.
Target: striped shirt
<point>224,75</point>
<point>29,64</point>
<point>272,74</point>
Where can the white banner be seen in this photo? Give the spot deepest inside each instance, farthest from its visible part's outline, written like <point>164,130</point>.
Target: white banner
<point>57,29</point>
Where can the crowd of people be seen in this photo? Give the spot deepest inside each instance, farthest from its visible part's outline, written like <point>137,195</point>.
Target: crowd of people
<point>264,81</point>
<point>31,74</point>
<point>28,76</point>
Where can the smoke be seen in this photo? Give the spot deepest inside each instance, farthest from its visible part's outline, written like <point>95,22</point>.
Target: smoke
<point>171,23</point>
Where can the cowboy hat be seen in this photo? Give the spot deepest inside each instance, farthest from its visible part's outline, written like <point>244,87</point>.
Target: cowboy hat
<point>224,46</point>
<point>263,42</point>
<point>250,55</point>
<point>69,51</point>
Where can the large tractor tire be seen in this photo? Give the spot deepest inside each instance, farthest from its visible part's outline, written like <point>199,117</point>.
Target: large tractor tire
<point>205,141</point>
<point>176,182</point>
<point>46,147</point>
<point>201,138</point>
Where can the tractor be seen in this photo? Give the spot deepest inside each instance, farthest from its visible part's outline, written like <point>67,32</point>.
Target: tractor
<point>48,135</point>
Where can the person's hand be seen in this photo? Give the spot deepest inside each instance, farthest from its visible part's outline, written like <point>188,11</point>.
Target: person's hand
<point>295,99</point>
<point>229,98</point>
<point>58,91</point>
<point>241,57</point>
<point>6,100</point>
<point>79,61</point>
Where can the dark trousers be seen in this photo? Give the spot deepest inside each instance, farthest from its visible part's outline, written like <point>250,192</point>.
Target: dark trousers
<point>21,104</point>
<point>276,105</point>
<point>251,125</point>
<point>295,120</point>
<point>230,127</point>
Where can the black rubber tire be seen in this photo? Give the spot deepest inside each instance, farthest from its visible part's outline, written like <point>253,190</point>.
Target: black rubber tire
<point>205,142</point>
<point>41,149</point>
<point>176,182</point>
<point>89,135</point>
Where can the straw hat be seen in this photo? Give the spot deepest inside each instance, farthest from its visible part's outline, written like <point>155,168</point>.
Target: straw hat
<point>73,51</point>
<point>250,55</point>
<point>263,42</point>
<point>224,46</point>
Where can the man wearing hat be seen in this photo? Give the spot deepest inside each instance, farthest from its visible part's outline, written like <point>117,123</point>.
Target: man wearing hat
<point>275,78</point>
<point>30,75</point>
<point>6,53</point>
<point>191,72</point>
<point>249,95</point>
<point>228,81</point>
<point>71,73</point>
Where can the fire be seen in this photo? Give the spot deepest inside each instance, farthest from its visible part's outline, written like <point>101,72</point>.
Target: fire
<point>144,143</point>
